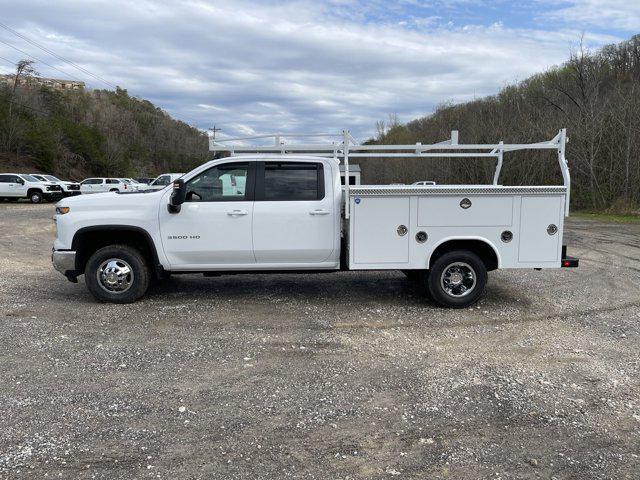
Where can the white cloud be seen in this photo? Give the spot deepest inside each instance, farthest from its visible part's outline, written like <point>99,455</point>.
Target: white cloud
<point>619,14</point>
<point>251,66</point>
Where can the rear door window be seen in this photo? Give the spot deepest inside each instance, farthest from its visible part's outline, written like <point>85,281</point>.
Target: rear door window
<point>291,181</point>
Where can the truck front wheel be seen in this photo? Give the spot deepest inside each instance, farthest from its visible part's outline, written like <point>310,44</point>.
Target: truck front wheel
<point>457,279</point>
<point>117,274</point>
<point>35,196</point>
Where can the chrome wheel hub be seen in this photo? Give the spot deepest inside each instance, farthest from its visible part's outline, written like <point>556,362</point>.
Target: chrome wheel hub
<point>458,279</point>
<point>115,275</point>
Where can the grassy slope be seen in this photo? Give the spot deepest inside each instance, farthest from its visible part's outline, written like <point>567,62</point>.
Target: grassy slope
<point>607,217</point>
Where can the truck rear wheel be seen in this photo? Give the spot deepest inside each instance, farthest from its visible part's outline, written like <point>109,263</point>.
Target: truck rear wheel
<point>117,274</point>
<point>457,279</point>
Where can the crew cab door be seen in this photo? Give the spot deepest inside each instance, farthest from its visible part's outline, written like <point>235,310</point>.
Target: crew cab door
<point>8,185</point>
<point>91,185</point>
<point>19,186</point>
<point>213,228</point>
<point>294,213</point>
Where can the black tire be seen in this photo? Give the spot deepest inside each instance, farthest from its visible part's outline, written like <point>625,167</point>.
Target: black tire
<point>113,190</point>
<point>35,196</point>
<point>124,256</point>
<point>459,264</point>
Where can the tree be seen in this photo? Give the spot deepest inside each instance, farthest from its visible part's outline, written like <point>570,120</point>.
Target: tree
<point>24,69</point>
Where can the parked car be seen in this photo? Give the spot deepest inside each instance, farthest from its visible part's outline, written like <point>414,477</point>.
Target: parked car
<point>134,185</point>
<point>68,188</point>
<point>14,186</point>
<point>101,185</point>
<point>164,180</point>
<point>145,180</point>
<point>424,182</point>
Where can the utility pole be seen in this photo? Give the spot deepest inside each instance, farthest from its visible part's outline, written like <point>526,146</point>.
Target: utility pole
<point>214,130</point>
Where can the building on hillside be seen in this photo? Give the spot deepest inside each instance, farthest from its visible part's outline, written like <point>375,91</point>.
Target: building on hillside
<point>354,174</point>
<point>55,83</point>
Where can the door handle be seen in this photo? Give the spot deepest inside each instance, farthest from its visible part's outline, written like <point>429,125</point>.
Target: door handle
<point>237,213</point>
<point>319,212</point>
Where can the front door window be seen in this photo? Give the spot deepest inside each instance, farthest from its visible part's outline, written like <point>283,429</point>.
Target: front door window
<point>223,183</point>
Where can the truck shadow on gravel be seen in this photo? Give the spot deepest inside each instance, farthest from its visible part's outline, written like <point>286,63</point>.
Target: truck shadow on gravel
<point>386,288</point>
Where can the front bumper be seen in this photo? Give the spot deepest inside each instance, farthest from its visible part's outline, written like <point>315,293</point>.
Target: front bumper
<point>64,261</point>
<point>52,196</point>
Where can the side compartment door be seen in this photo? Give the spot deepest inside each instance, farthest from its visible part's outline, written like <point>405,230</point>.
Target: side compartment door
<point>540,229</point>
<point>294,213</point>
<point>213,228</point>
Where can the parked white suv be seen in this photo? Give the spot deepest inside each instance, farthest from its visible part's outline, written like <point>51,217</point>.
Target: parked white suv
<point>101,185</point>
<point>163,180</point>
<point>68,188</point>
<point>14,186</point>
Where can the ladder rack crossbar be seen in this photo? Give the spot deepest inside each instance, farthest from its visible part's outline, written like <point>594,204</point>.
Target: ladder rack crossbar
<point>346,146</point>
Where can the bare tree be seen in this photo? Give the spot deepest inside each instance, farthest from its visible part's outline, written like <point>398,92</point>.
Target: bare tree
<point>24,69</point>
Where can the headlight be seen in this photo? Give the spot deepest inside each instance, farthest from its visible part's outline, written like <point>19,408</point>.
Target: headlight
<point>62,210</point>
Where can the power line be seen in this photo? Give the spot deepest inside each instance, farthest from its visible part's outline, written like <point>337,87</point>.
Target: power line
<point>41,61</point>
<point>8,61</point>
<point>59,57</point>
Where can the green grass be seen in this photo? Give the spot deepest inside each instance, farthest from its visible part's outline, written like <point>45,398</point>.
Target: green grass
<point>607,217</point>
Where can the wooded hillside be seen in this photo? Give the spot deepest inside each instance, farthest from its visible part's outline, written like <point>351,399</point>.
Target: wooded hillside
<point>596,96</point>
<point>78,133</point>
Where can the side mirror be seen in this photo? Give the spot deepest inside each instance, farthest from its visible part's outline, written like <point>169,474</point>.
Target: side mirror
<point>177,196</point>
<point>20,181</point>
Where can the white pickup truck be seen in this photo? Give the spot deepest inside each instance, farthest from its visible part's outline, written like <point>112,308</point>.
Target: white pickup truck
<point>278,210</point>
<point>14,186</point>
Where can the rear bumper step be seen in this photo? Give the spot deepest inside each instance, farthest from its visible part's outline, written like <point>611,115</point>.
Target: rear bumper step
<point>567,261</point>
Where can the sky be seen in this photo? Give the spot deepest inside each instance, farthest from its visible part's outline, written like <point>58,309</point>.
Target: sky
<point>254,67</point>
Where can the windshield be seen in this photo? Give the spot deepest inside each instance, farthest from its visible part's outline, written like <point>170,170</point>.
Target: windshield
<point>51,178</point>
<point>29,178</point>
<point>161,180</point>
<point>125,180</point>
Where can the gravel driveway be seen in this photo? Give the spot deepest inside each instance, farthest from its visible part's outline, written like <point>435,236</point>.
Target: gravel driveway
<point>340,375</point>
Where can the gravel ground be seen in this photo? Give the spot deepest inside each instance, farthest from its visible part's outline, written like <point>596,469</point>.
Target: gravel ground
<point>341,375</point>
